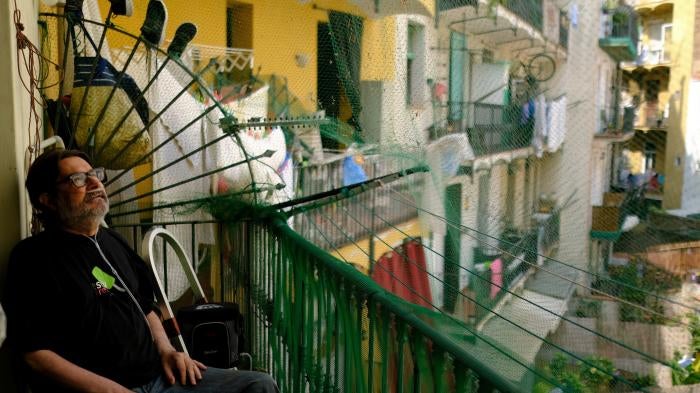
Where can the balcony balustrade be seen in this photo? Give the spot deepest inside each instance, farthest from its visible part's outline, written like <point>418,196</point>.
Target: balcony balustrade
<point>529,10</point>
<point>620,35</point>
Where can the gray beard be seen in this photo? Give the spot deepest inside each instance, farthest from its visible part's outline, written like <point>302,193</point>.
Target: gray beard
<point>81,215</point>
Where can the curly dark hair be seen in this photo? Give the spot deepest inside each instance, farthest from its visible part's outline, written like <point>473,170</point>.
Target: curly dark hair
<point>42,177</point>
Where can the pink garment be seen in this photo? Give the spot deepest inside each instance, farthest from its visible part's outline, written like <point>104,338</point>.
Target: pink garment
<point>496,277</point>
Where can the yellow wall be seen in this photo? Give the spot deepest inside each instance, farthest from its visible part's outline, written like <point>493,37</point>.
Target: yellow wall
<point>357,254</point>
<point>682,57</point>
<point>682,15</point>
<point>281,30</point>
<point>208,15</point>
<point>378,48</point>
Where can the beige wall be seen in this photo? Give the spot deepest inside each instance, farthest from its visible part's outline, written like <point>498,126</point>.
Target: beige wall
<point>679,84</point>
<point>14,110</point>
<point>569,172</point>
<point>404,124</point>
<point>659,341</point>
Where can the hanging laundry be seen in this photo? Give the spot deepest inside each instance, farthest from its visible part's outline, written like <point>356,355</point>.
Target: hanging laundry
<point>528,111</point>
<point>573,14</point>
<point>496,277</point>
<point>286,172</point>
<point>540,128</point>
<point>382,273</point>
<point>418,274</point>
<point>444,158</point>
<point>353,172</point>
<point>556,132</point>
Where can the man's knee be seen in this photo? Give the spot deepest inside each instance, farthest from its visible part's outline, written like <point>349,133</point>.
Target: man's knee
<point>263,383</point>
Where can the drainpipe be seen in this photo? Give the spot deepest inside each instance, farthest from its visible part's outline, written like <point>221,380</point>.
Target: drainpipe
<point>470,78</point>
<point>372,223</point>
<point>616,96</point>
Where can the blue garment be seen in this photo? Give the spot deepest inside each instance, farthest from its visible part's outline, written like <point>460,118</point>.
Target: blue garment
<point>352,172</point>
<point>216,380</point>
<point>106,74</point>
<point>528,111</point>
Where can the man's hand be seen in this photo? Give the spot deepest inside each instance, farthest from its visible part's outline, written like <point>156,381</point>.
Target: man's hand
<point>187,368</point>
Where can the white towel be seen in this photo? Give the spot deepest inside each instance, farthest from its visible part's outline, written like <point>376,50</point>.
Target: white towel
<point>163,131</point>
<point>540,127</point>
<point>444,158</point>
<point>255,142</point>
<point>557,124</point>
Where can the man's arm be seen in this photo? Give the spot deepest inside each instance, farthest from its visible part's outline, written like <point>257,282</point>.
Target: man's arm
<point>57,368</point>
<point>171,359</point>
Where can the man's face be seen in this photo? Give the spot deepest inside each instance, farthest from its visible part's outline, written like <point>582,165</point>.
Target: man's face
<point>78,205</point>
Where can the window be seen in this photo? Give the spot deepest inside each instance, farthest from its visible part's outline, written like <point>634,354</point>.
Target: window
<point>649,157</point>
<point>659,42</point>
<point>239,25</point>
<point>414,65</point>
<point>666,31</point>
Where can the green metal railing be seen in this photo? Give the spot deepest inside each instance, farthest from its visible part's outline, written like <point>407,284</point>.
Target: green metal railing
<point>517,259</point>
<point>491,128</point>
<point>497,129</point>
<point>529,10</point>
<point>444,5</point>
<point>317,324</point>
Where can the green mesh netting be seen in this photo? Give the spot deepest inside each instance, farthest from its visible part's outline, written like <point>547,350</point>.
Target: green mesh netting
<point>415,195</point>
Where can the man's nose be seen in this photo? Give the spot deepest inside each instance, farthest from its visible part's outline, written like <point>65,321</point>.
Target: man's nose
<point>92,182</point>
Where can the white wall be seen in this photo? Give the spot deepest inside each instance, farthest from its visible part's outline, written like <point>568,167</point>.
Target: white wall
<point>520,216</point>
<point>569,171</point>
<point>600,172</point>
<point>406,125</point>
<point>14,120</point>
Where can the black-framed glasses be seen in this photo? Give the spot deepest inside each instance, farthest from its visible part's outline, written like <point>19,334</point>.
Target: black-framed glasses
<point>79,179</point>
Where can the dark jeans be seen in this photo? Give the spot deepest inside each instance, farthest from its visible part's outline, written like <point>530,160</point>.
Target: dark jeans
<point>216,380</point>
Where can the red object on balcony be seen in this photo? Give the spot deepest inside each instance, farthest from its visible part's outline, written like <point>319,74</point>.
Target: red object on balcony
<point>418,272</point>
<point>403,273</point>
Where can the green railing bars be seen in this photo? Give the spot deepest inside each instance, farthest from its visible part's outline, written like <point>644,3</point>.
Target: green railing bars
<point>319,325</point>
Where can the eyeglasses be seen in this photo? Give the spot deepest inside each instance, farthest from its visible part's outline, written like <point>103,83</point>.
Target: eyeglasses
<point>79,179</point>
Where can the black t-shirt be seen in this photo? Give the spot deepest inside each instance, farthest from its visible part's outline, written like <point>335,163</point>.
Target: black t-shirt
<point>62,296</point>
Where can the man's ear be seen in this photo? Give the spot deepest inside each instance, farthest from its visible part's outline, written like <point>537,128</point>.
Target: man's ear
<point>46,200</point>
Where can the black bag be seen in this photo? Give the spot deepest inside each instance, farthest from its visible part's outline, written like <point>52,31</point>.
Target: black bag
<point>213,333</point>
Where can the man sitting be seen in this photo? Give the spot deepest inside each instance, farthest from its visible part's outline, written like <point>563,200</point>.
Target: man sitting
<point>79,300</point>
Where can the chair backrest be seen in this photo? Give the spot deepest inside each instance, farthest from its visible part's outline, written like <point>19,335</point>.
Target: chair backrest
<point>147,253</point>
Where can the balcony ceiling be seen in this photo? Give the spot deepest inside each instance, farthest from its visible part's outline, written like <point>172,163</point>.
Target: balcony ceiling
<point>656,7</point>
<point>619,48</point>
<point>381,8</point>
<point>641,74</point>
<point>498,28</point>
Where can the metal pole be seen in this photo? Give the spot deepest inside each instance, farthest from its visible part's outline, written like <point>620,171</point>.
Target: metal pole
<point>372,225</point>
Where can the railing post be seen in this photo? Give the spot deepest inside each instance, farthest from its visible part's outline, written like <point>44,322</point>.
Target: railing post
<point>439,362</point>
<point>402,338</point>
